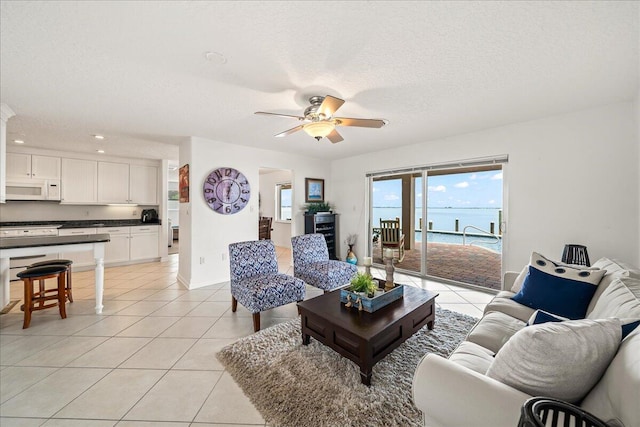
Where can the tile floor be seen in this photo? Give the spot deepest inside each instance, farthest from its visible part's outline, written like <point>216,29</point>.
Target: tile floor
<point>149,359</point>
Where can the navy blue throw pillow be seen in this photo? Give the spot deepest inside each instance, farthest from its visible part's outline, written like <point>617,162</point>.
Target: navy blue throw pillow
<point>541,316</point>
<point>558,295</point>
<point>628,328</point>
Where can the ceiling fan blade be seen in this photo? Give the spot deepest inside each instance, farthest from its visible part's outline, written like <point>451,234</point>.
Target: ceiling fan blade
<point>334,136</point>
<point>290,131</point>
<point>279,115</point>
<point>364,123</point>
<point>330,105</point>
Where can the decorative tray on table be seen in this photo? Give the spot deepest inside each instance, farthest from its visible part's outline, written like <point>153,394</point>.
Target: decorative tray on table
<point>363,302</point>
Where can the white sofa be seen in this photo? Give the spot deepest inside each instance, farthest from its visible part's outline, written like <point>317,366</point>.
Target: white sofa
<point>456,392</point>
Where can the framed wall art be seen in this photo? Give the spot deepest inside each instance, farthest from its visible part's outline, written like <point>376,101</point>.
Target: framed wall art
<point>314,190</point>
<point>183,184</point>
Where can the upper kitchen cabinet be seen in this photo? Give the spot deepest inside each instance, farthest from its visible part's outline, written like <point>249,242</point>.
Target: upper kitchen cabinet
<point>125,183</point>
<point>143,184</point>
<point>25,166</point>
<point>79,181</point>
<point>113,182</point>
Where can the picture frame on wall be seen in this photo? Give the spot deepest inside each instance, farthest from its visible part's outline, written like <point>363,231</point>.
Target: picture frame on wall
<point>314,190</point>
<point>183,184</point>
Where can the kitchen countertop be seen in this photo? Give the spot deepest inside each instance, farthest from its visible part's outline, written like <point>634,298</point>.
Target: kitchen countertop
<point>91,223</point>
<point>29,242</point>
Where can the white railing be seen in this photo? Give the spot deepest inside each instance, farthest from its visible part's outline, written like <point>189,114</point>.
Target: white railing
<point>488,233</point>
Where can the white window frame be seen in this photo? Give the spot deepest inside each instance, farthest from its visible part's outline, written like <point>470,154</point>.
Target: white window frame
<point>277,206</point>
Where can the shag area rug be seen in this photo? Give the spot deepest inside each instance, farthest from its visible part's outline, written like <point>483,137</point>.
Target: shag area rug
<point>296,385</point>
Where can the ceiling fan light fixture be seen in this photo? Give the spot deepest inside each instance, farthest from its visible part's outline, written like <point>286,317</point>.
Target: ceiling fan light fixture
<point>319,129</point>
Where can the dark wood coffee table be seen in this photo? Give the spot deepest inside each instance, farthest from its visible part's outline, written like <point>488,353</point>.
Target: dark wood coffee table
<point>366,338</point>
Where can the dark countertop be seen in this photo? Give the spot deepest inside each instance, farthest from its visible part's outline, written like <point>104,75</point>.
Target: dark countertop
<point>30,242</point>
<point>97,223</point>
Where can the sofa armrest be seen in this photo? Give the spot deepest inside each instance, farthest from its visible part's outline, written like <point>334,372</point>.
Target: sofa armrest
<point>508,279</point>
<point>449,394</point>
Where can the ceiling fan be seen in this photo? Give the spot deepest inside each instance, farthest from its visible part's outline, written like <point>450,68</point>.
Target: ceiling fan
<point>322,123</point>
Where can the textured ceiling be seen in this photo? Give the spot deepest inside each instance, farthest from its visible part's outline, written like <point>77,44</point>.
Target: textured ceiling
<point>136,71</point>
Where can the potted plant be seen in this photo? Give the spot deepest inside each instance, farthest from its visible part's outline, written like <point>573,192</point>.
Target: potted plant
<point>315,207</point>
<point>364,284</point>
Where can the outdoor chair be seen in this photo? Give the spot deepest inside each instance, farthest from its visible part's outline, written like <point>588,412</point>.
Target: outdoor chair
<point>256,282</point>
<point>311,263</point>
<point>391,237</point>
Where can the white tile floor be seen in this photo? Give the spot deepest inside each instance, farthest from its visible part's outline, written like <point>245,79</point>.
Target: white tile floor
<point>149,359</point>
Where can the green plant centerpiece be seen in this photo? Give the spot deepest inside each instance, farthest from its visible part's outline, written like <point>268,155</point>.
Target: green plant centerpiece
<point>315,207</point>
<point>363,283</point>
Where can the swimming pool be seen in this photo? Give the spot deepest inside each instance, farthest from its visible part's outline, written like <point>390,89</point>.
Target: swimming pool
<point>456,238</point>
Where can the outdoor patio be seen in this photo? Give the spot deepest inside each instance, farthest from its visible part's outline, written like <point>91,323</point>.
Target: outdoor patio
<point>467,264</point>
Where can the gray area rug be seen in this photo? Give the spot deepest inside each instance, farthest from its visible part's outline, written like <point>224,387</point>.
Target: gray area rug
<point>295,385</point>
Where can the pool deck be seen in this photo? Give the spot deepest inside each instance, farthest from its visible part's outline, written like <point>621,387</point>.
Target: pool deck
<point>466,264</point>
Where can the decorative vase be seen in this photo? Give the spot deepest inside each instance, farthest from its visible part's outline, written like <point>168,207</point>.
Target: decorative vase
<point>351,257</point>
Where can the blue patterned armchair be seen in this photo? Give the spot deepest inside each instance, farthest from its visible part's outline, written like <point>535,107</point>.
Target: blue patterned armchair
<point>311,263</point>
<point>255,281</point>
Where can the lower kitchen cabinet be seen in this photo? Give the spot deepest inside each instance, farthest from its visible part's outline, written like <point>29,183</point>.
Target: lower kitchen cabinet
<point>144,243</point>
<point>80,259</point>
<point>117,249</point>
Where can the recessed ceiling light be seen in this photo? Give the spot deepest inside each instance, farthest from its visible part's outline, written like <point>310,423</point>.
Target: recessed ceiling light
<point>215,57</point>
<point>18,141</point>
<point>98,136</point>
<point>100,151</point>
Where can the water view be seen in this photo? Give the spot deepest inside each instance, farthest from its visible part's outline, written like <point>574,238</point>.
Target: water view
<point>444,219</point>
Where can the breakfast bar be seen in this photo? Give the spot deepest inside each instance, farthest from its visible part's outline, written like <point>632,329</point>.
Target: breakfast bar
<point>49,245</point>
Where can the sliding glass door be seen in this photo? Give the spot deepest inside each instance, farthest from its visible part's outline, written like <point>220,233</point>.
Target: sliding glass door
<point>464,212</point>
<point>449,218</point>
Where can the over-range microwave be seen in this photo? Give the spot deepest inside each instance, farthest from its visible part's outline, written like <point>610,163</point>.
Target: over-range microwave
<point>33,189</point>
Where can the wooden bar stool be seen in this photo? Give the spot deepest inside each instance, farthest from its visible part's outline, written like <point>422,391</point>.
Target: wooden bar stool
<point>65,262</point>
<point>31,298</point>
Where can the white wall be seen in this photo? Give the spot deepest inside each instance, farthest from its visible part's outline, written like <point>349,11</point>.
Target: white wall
<point>637,105</point>
<point>208,234</point>
<point>571,178</point>
<point>281,233</point>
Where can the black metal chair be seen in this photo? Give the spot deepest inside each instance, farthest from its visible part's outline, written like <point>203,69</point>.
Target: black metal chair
<point>548,412</point>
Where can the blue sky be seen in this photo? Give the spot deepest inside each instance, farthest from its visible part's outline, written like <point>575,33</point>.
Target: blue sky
<point>462,190</point>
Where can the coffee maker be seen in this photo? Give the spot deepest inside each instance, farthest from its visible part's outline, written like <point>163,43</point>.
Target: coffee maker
<point>149,216</point>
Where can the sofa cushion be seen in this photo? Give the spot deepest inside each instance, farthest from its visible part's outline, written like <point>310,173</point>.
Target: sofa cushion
<point>517,284</point>
<point>558,288</point>
<point>563,360</point>
<point>621,299</point>
<point>473,356</point>
<point>503,303</point>
<point>616,396</point>
<point>615,269</point>
<point>494,330</point>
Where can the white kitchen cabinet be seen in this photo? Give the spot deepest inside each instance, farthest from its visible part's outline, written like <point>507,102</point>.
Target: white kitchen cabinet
<point>143,184</point>
<point>79,181</point>
<point>117,249</point>
<point>125,183</point>
<point>23,166</point>
<point>144,242</point>
<point>113,182</point>
<point>80,259</point>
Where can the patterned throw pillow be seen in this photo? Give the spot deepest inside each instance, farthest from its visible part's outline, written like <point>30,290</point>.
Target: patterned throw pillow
<point>559,289</point>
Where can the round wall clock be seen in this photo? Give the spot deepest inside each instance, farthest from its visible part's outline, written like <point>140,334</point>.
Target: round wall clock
<point>226,191</point>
